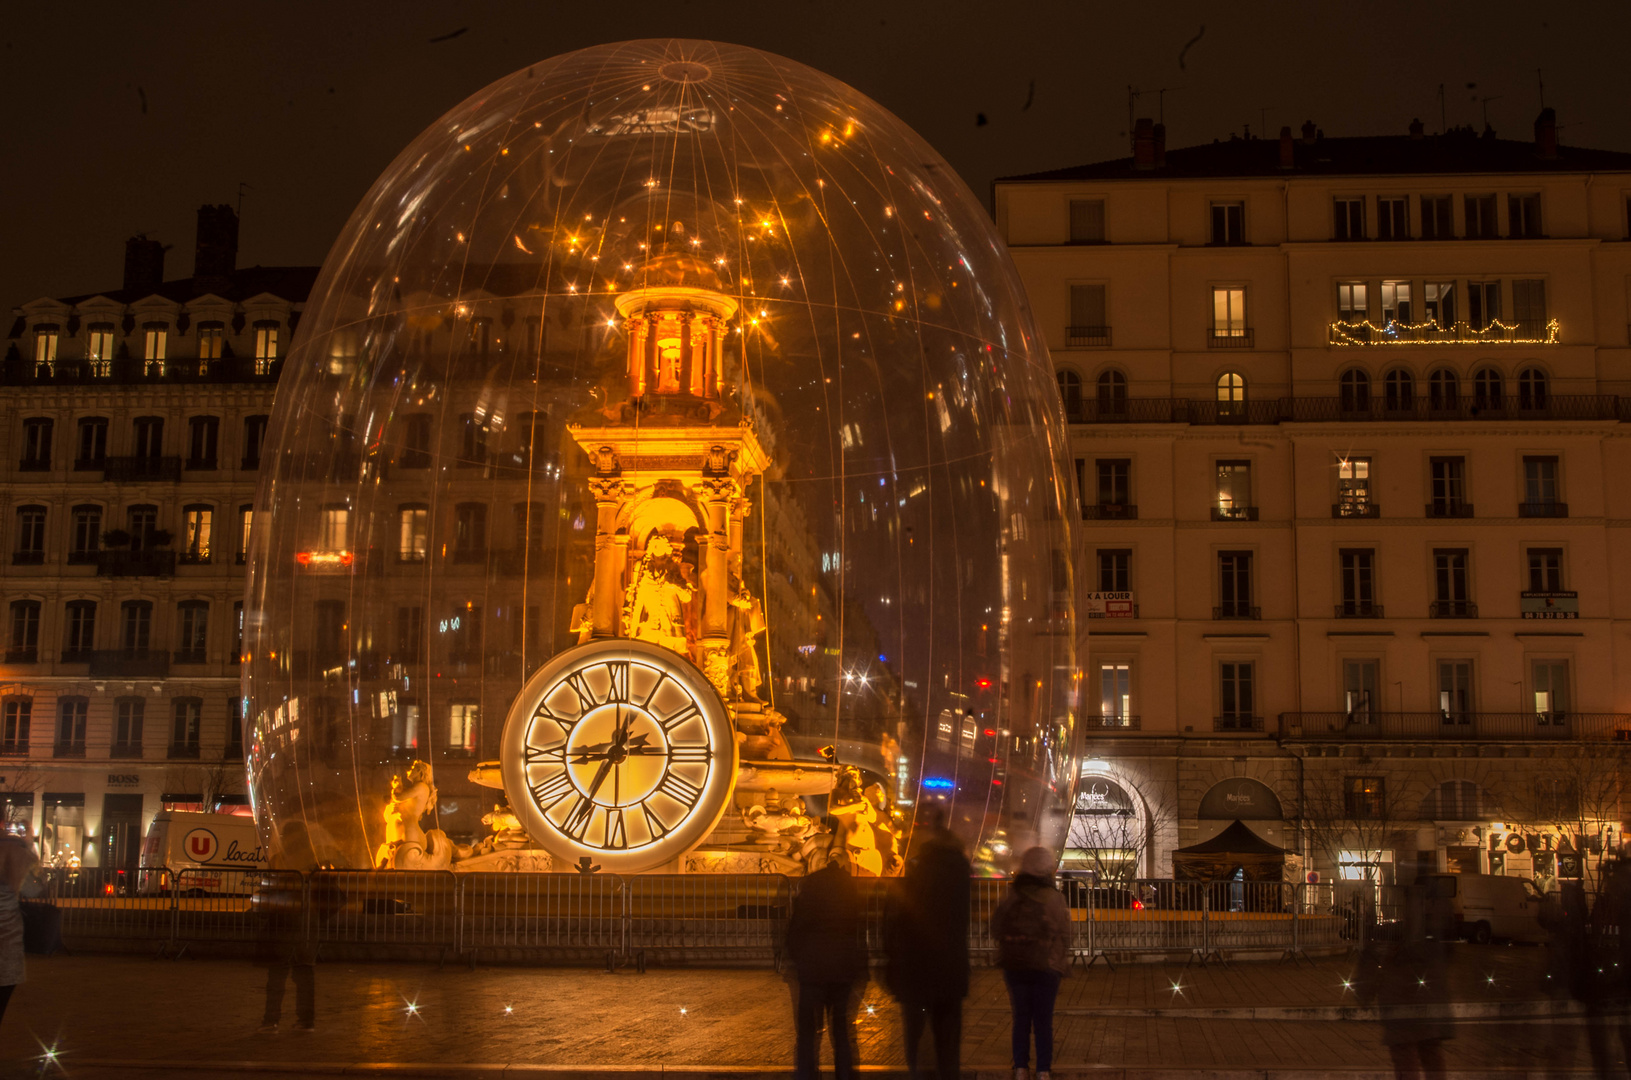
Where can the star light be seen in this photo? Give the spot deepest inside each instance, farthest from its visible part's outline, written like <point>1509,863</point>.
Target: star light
<point>412,1009</point>
<point>508,1009</point>
<point>682,1010</point>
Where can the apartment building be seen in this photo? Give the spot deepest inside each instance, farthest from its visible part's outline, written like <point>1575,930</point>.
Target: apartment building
<point>133,422</point>
<point>1347,414</point>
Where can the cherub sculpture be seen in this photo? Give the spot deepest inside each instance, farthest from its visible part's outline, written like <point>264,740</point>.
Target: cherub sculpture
<point>407,846</point>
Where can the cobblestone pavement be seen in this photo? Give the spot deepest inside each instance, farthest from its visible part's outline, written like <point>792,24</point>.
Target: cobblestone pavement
<point>129,1018</point>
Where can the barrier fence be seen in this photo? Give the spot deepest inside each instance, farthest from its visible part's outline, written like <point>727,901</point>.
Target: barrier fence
<point>639,919</point>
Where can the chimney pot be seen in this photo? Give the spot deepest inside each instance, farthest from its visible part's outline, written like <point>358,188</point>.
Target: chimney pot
<point>1288,149</point>
<point>144,265</point>
<point>1144,144</point>
<point>215,256</point>
<point>1160,135</point>
<point>1546,134</point>
<point>1309,131</point>
<point>1417,129</point>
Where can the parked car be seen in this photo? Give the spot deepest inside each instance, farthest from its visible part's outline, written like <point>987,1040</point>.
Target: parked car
<point>1489,906</point>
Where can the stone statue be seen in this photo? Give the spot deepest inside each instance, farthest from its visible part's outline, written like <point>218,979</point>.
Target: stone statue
<point>407,846</point>
<point>654,603</point>
<point>747,623</point>
<point>583,617</point>
<point>856,815</point>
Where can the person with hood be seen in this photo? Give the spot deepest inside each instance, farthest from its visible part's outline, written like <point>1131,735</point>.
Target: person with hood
<point>826,945</point>
<point>1032,930</point>
<point>925,932</point>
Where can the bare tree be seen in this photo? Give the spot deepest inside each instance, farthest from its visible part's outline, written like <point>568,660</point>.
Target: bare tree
<point>1358,805</point>
<point>1579,797</point>
<point>1111,835</point>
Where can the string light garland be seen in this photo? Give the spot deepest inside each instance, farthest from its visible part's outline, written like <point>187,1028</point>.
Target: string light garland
<point>1365,332</point>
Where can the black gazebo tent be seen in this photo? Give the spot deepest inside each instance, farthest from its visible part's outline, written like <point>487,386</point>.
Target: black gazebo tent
<point>1235,848</point>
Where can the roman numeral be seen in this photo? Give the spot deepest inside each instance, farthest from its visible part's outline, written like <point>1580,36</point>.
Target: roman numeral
<point>617,835</point>
<point>618,671</point>
<point>680,790</point>
<point>549,792</point>
<point>690,711</point>
<point>555,755</point>
<point>580,687</point>
<point>662,677</point>
<point>577,821</point>
<point>542,713</point>
<point>699,754</point>
<point>654,824</point>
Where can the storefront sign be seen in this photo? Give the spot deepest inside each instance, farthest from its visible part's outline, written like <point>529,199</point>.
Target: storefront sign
<point>1550,605</point>
<point>1102,797</point>
<point>1242,799</point>
<point>123,779</point>
<point>1109,605</point>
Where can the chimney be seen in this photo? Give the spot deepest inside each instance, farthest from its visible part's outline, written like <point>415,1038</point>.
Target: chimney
<point>1309,131</point>
<point>1417,129</point>
<point>1288,149</point>
<point>1144,144</point>
<point>1160,132</point>
<point>1546,134</point>
<point>144,265</point>
<point>216,256</point>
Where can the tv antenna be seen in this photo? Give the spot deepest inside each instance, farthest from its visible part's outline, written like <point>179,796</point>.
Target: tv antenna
<point>243,186</point>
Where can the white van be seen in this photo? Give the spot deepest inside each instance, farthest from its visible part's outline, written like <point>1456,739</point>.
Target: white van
<point>1490,906</point>
<point>195,849</point>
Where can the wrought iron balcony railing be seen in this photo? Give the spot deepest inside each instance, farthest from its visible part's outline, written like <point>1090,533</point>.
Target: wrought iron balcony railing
<point>1373,724</point>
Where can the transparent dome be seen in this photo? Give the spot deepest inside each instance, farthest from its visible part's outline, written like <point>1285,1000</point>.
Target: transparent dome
<point>693,319</point>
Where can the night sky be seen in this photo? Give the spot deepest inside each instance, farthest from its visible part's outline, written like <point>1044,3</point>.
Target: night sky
<point>123,119</point>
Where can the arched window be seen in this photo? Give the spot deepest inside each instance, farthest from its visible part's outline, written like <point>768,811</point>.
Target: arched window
<point>1112,388</point>
<point>1355,391</point>
<point>1399,390</point>
<point>1532,388</point>
<point>1070,392</point>
<point>1231,395</point>
<point>1444,389</point>
<point>1487,390</point>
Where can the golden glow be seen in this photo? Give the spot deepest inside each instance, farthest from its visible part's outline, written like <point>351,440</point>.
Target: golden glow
<point>1365,332</point>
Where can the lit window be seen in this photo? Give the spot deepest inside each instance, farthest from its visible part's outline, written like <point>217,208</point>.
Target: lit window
<point>1115,692</point>
<point>1234,489</point>
<point>211,338</point>
<point>246,523</point>
<point>45,349</point>
<point>1352,302</point>
<point>99,350</point>
<point>1395,302</point>
<point>1551,681</point>
<point>265,347</point>
<point>157,342</point>
<point>196,534</point>
<point>464,723</point>
<point>413,533</point>
<point>1228,312</point>
<point>1353,487</point>
<point>334,528</point>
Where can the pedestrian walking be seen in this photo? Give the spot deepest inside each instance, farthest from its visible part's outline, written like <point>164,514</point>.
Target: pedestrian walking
<point>926,943</point>
<point>1032,930</point>
<point>1404,970</point>
<point>826,945</point>
<point>16,860</point>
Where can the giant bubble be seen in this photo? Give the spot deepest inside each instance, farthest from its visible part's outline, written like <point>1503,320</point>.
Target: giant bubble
<point>666,460</point>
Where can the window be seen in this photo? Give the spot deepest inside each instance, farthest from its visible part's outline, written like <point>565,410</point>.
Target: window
<point>1438,303</point>
<point>1235,585</point>
<point>1523,215</point>
<point>410,633</point>
<point>1551,684</point>
<point>1353,487</point>
<point>235,727</point>
<point>413,533</point>
<point>1070,393</point>
<point>1089,321</point>
<point>1237,698</point>
<point>1112,393</point>
<point>14,735</point>
<point>529,429</point>
<point>470,531</point>
<point>237,631</point>
<point>1437,218</point>
<point>1231,396</point>
<point>71,712</point>
<point>25,632</point>
<point>1483,304</point>
<point>1396,303</point>
<point>1443,390</point>
<point>1359,697</point>
<point>463,727</point>
<point>203,434</point>
<point>81,637</point>
<point>93,443</point>
<point>1399,390</point>
<point>265,347</point>
<point>1480,217</point>
<point>1234,491</point>
<point>99,349</point>
<point>416,442</point>
<point>155,337</point>
<point>192,631</point>
<point>473,442</point>
<point>1545,569</point>
<point>128,714</point>
<point>1229,312</point>
<point>464,630</point>
<point>405,726</point>
<point>329,634</point>
<point>1453,800</point>
<point>1455,691</point>
<point>1450,591</point>
<point>1392,218</point>
<point>46,336</point>
<point>1087,221</point>
<point>36,444</point>
<point>195,533</point>
<point>149,437</point>
<point>1115,570</point>
<point>1349,216</point>
<point>246,525</point>
<point>1228,223</point>
<point>1449,487</point>
<point>1114,483</point>
<point>481,335</point>
<point>1115,693</point>
<point>137,629</point>
<point>1540,493</point>
<point>1353,301</point>
<point>1364,797</point>
<point>254,441</point>
<point>334,529</point>
<point>143,526</point>
<point>1531,389</point>
<point>1487,390</point>
<point>30,535</point>
<point>1355,390</point>
<point>1358,573</point>
<point>211,336</point>
<point>1529,308</point>
<point>185,726</point>
<point>531,520</point>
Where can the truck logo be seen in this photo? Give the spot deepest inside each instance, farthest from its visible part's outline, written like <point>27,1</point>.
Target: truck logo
<point>201,845</point>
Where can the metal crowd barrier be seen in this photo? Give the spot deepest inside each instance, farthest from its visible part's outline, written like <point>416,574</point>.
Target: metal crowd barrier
<point>644,919</point>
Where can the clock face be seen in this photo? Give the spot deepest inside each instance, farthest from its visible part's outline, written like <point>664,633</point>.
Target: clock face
<point>620,751</point>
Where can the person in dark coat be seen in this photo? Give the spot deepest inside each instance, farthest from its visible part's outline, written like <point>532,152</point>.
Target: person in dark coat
<point>1032,930</point>
<point>827,948</point>
<point>1404,970</point>
<point>926,942</point>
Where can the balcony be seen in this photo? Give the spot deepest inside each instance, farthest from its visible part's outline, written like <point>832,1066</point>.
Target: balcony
<point>1543,509</point>
<point>25,655</point>
<point>1229,339</point>
<point>193,558</point>
<point>1448,510</point>
<point>1520,332</point>
<point>1237,611</point>
<point>126,751</point>
<point>14,748</point>
<point>1452,609</point>
<point>189,656</point>
<point>149,562</point>
<point>129,470</point>
<point>28,558</point>
<point>1112,723</point>
<point>182,752</point>
<point>83,558</point>
<point>76,656</point>
<point>1366,509</point>
<point>94,464</point>
<point>1383,726</point>
<point>1234,513</point>
<point>201,464</point>
<point>1114,409</point>
<point>1109,512</point>
<point>34,465</point>
<point>68,749</point>
<point>1087,337</point>
<point>1237,722</point>
<point>1358,609</point>
<point>129,663</point>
